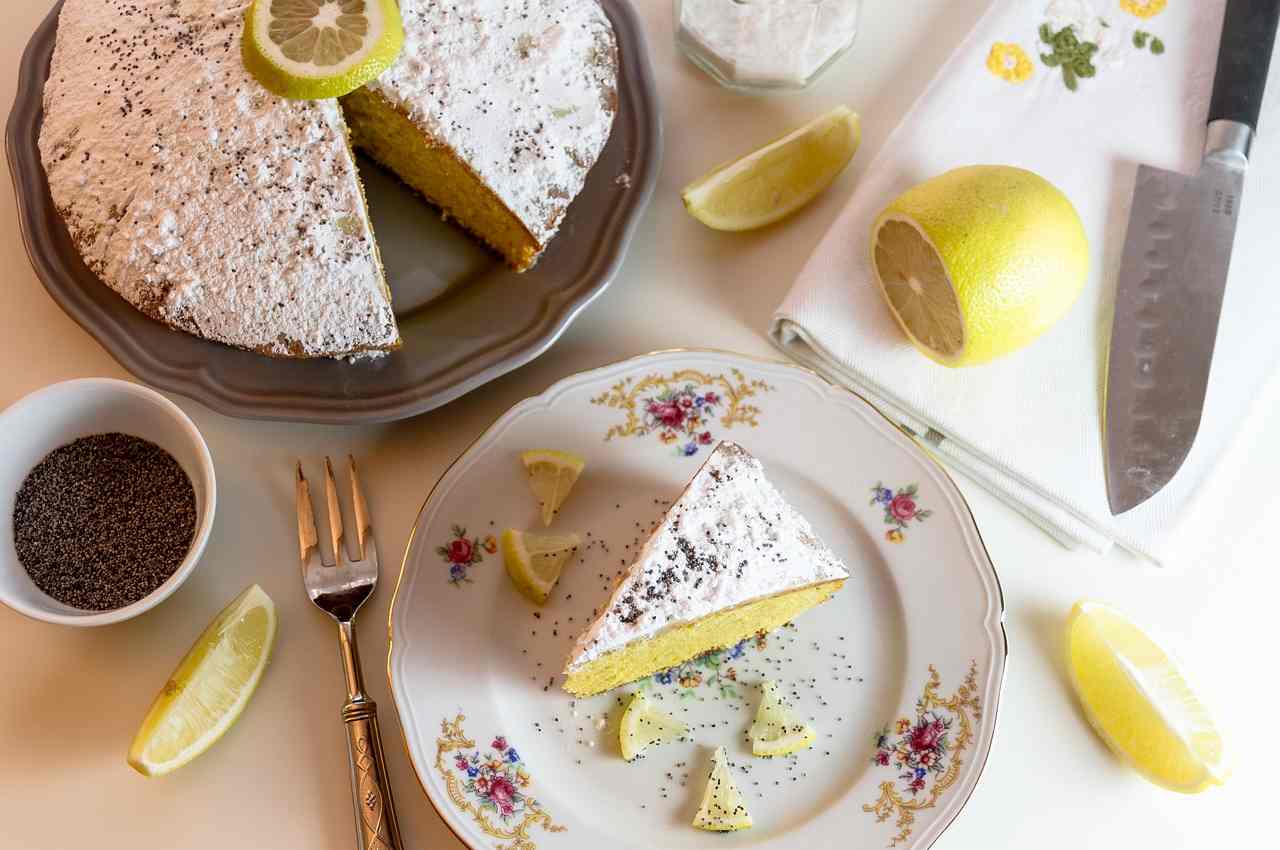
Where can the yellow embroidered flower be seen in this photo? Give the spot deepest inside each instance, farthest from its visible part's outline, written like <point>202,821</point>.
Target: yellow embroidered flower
<point>1144,8</point>
<point>893,535</point>
<point>1010,62</point>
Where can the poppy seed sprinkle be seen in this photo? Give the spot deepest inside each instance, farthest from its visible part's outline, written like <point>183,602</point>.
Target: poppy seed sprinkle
<point>103,521</point>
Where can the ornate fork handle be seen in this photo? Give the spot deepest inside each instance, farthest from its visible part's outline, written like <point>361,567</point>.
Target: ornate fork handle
<point>376,825</point>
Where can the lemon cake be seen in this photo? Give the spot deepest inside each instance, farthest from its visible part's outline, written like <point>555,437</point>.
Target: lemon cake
<point>730,558</point>
<point>204,200</point>
<point>495,112</point>
<point>228,212</point>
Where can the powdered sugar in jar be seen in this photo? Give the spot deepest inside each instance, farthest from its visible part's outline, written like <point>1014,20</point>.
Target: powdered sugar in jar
<point>755,45</point>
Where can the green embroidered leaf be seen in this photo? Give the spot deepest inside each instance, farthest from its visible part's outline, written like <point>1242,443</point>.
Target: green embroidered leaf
<point>1140,38</point>
<point>1083,68</point>
<point>1157,46</point>
<point>1051,60</point>
<point>1046,34</point>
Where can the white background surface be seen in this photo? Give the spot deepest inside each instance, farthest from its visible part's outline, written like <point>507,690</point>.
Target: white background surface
<point>72,698</point>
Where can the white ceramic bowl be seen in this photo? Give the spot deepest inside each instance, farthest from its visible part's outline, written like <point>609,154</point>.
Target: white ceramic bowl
<point>58,414</point>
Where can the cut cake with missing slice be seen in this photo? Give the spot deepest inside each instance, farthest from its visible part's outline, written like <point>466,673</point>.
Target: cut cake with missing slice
<point>730,558</point>
<point>495,112</point>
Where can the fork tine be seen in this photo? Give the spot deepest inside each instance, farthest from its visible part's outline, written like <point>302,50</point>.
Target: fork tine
<point>359,508</point>
<point>335,511</point>
<point>307,539</point>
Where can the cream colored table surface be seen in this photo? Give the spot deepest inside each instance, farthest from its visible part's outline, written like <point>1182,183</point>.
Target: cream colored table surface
<point>71,699</point>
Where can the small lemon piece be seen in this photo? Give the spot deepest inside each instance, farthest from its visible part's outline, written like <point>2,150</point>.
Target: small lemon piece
<point>979,261</point>
<point>723,807</point>
<point>552,475</point>
<point>314,49</point>
<point>210,687</point>
<point>535,561</point>
<point>776,730</point>
<point>645,725</point>
<point>779,178</point>
<point>1139,702</point>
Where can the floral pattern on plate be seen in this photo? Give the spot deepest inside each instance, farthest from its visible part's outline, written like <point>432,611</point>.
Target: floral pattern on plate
<point>492,787</point>
<point>900,509</point>
<point>462,552</point>
<point>925,751</point>
<point>681,407</point>
<point>712,671</point>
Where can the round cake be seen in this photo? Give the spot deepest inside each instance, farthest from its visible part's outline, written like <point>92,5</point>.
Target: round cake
<point>225,211</point>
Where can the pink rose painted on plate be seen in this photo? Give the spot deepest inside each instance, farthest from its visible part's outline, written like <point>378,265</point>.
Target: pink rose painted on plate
<point>463,552</point>
<point>900,509</point>
<point>494,779</point>
<point>903,507</point>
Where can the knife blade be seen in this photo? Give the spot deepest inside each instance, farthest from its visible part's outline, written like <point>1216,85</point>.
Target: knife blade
<point>1173,274</point>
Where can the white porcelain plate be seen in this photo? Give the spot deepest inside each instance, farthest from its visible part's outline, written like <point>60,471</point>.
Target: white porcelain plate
<point>900,673</point>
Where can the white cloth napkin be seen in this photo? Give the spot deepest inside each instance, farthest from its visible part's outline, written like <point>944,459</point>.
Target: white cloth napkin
<point>1028,427</point>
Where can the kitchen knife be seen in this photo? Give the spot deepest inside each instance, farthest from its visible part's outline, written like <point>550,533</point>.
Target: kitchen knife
<point>1173,273</point>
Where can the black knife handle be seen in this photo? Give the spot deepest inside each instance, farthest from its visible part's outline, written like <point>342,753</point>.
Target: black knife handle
<point>1244,54</point>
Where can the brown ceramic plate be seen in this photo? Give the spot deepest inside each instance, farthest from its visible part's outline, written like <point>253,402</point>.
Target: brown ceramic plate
<point>464,317</point>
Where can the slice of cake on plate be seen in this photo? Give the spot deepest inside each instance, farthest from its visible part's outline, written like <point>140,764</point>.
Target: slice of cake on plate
<point>730,558</point>
<point>495,112</point>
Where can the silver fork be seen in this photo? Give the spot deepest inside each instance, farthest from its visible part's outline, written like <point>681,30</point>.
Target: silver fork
<point>339,589</point>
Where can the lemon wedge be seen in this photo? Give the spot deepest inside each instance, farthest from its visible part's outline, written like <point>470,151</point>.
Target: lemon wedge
<point>723,807</point>
<point>210,687</point>
<point>776,730</point>
<point>1139,702</point>
<point>313,49</point>
<point>773,182</point>
<point>645,725</point>
<point>552,475</point>
<point>535,561</point>
<point>979,261</point>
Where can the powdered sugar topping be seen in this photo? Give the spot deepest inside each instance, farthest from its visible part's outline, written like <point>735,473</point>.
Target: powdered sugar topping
<point>523,90</point>
<point>203,199</point>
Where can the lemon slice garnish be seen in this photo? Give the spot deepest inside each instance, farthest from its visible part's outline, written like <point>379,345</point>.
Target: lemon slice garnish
<point>1138,701</point>
<point>776,730</point>
<point>210,687</point>
<point>535,561</point>
<point>645,725</point>
<point>552,475</point>
<point>723,807</point>
<point>313,49</point>
<point>773,182</point>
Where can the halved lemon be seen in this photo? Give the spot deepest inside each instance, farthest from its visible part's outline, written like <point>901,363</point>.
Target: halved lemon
<point>979,261</point>
<point>1140,703</point>
<point>777,731</point>
<point>314,49</point>
<point>552,475</point>
<point>210,687</point>
<point>771,183</point>
<point>723,809</point>
<point>535,561</point>
<point>645,725</point>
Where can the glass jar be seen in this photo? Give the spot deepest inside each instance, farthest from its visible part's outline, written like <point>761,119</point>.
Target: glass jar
<point>763,45</point>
